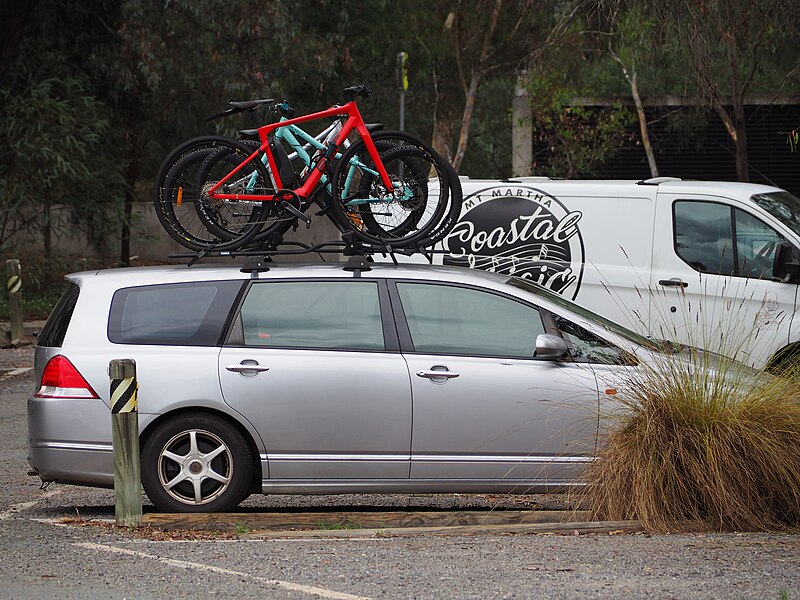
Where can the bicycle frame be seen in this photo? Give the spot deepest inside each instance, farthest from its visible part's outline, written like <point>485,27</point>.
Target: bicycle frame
<point>354,121</point>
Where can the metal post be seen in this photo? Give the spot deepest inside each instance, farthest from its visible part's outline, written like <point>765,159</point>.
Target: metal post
<point>521,129</point>
<point>14,286</point>
<point>125,440</point>
<point>402,85</point>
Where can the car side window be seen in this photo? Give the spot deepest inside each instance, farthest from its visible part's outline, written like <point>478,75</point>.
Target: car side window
<point>447,319</point>
<point>715,238</point>
<point>589,348</point>
<point>184,314</point>
<point>311,314</point>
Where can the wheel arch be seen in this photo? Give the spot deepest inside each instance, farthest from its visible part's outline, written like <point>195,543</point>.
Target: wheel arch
<point>783,358</point>
<point>218,414</point>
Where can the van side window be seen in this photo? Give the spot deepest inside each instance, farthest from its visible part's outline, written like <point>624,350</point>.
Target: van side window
<point>715,238</point>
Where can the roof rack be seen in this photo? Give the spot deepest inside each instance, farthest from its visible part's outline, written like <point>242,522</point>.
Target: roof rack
<point>658,180</point>
<point>346,247</point>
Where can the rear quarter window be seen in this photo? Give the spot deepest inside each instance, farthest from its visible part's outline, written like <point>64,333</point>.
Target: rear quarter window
<point>52,335</point>
<point>181,314</point>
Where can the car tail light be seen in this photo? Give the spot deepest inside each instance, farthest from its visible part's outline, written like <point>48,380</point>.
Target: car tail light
<point>62,380</point>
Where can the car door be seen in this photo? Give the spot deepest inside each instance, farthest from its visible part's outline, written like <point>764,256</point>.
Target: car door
<point>315,367</point>
<point>713,279</point>
<point>484,408</point>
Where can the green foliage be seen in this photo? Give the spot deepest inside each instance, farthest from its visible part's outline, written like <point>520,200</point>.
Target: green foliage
<point>95,93</point>
<point>54,138</point>
<point>577,139</point>
<point>43,281</point>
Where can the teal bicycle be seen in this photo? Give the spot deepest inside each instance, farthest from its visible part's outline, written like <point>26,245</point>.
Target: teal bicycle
<point>387,188</point>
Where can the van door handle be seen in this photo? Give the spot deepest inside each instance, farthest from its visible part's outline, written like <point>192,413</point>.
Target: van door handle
<point>674,282</point>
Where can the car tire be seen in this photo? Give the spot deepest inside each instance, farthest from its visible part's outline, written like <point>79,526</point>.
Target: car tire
<point>196,463</point>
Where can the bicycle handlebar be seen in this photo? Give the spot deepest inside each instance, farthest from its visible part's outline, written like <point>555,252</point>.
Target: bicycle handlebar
<point>351,92</point>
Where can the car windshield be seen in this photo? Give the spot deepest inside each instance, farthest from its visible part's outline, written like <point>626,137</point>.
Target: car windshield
<point>534,288</point>
<point>783,206</point>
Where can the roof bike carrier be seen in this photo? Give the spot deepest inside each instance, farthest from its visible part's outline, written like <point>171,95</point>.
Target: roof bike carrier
<point>347,246</point>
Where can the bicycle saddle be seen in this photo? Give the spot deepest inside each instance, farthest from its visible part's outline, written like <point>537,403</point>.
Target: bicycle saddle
<point>242,106</point>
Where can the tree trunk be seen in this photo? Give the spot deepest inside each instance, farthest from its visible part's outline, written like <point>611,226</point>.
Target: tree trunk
<point>466,120</point>
<point>471,91</point>
<point>131,176</point>
<point>742,162</point>
<point>47,230</point>
<point>648,148</point>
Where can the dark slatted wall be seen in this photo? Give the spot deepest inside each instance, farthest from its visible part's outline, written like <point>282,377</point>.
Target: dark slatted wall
<point>709,153</point>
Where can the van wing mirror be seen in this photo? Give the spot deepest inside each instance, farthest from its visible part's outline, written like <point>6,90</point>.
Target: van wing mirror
<point>786,265</point>
<point>551,347</point>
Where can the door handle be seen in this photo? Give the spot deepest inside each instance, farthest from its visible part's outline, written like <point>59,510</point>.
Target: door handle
<point>245,368</point>
<point>674,282</point>
<point>434,374</point>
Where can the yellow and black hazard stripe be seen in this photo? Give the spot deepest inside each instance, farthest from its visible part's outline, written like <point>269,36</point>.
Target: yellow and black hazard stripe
<point>123,395</point>
<point>14,284</point>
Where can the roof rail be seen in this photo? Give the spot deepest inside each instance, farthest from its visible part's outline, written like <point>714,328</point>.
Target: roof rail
<point>658,180</point>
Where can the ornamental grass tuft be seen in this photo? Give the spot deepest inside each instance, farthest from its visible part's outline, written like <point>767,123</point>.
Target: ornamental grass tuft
<point>703,444</point>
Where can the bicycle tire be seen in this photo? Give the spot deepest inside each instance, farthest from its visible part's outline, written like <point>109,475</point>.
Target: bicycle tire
<point>180,207</point>
<point>227,157</point>
<point>453,212</point>
<point>433,193</point>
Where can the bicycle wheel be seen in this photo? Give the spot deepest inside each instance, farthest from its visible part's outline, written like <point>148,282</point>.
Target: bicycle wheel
<point>452,212</point>
<point>184,212</point>
<point>425,194</point>
<point>237,221</point>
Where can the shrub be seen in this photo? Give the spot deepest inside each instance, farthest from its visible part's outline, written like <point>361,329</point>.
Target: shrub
<point>698,441</point>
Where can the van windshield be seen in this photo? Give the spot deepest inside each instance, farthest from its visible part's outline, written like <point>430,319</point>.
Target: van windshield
<point>783,206</point>
<point>534,288</point>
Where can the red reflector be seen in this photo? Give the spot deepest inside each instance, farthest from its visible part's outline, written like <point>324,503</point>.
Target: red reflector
<point>62,380</point>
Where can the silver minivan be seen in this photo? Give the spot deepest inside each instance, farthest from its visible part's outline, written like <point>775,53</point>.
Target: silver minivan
<point>325,379</point>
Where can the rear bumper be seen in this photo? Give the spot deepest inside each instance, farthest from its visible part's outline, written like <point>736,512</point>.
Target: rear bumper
<point>67,463</point>
<point>69,441</point>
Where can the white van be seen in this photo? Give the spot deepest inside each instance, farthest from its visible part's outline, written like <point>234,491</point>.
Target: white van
<point>712,264</point>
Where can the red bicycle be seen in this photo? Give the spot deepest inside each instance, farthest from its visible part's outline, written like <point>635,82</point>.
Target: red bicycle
<point>388,188</point>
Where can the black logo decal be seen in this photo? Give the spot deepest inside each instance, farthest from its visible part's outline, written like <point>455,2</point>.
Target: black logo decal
<point>519,230</point>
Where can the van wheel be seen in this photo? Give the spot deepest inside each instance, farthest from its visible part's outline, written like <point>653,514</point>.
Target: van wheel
<point>196,463</point>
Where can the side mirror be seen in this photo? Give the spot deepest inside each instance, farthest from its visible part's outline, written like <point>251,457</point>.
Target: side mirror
<point>550,347</point>
<point>786,266</point>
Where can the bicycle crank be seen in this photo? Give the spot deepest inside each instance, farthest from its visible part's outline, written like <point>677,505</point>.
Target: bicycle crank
<point>289,201</point>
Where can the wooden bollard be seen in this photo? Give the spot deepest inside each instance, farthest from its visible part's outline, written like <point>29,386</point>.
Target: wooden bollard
<point>13,287</point>
<point>125,438</point>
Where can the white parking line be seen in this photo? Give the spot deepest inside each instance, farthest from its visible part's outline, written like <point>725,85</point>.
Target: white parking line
<point>185,564</point>
<point>14,373</point>
<point>16,508</point>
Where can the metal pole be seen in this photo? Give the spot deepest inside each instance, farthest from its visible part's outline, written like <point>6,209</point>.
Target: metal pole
<point>402,85</point>
<point>125,440</point>
<point>402,110</point>
<point>14,286</point>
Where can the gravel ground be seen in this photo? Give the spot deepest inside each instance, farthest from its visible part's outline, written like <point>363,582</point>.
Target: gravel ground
<point>14,358</point>
<point>45,560</point>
